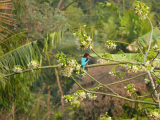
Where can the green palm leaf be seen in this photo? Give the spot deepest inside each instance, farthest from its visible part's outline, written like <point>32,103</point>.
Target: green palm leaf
<point>22,55</point>
<point>6,18</point>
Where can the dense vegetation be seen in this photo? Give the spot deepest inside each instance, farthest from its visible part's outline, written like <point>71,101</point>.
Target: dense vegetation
<point>37,35</point>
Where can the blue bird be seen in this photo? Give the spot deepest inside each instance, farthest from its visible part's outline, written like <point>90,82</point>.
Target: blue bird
<point>85,60</point>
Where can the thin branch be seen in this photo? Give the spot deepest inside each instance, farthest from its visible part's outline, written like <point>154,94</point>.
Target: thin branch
<point>125,43</point>
<point>31,110</point>
<point>120,62</point>
<point>152,82</point>
<point>120,81</point>
<point>28,70</point>
<point>51,110</point>
<point>69,5</point>
<point>101,83</point>
<point>60,88</point>
<point>150,93</point>
<point>38,8</point>
<point>55,66</point>
<point>149,41</point>
<point>154,57</point>
<point>79,84</point>
<point>59,4</point>
<point>126,79</point>
<point>104,64</point>
<point>131,100</point>
<point>147,114</point>
<point>52,86</point>
<point>154,70</point>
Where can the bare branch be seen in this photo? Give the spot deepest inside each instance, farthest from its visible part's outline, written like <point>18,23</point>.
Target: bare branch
<point>55,66</point>
<point>119,81</point>
<point>120,62</point>
<point>59,4</point>
<point>149,41</point>
<point>154,57</point>
<point>152,82</point>
<point>51,110</point>
<point>101,83</point>
<point>131,100</point>
<point>68,5</point>
<point>60,88</point>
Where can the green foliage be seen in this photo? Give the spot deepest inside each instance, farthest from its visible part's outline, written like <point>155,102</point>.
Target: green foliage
<point>83,41</point>
<point>105,117</point>
<point>6,20</point>
<point>151,54</point>
<point>109,29</point>
<point>123,55</point>
<point>113,72</point>
<point>22,55</point>
<point>130,87</point>
<point>75,10</point>
<point>141,9</point>
<point>17,69</point>
<point>39,18</point>
<point>105,7</point>
<point>60,55</point>
<point>130,26</point>
<point>57,116</point>
<point>110,44</point>
<point>139,57</point>
<point>67,65</point>
<point>13,41</point>
<point>19,9</point>
<point>16,89</point>
<point>107,55</point>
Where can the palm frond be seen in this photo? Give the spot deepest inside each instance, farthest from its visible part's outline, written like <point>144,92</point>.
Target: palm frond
<point>6,4</point>
<point>22,55</point>
<point>5,17</point>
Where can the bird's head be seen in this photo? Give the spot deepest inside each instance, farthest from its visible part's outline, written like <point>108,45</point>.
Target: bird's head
<point>86,55</point>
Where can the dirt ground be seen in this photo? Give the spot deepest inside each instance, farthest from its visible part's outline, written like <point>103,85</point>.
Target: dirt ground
<point>114,106</point>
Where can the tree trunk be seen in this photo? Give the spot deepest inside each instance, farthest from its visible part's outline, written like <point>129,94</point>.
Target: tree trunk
<point>60,88</point>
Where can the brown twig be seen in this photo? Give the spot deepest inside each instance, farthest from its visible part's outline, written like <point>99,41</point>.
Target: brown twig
<point>51,110</point>
<point>68,5</point>
<point>59,85</point>
<point>152,82</point>
<point>59,4</point>
<point>31,111</point>
<point>154,57</point>
<point>149,41</point>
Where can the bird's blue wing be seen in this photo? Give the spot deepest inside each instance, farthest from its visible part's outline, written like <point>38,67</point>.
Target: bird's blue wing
<point>84,62</point>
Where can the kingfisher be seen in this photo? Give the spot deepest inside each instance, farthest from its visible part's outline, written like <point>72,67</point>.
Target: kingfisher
<point>85,60</point>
